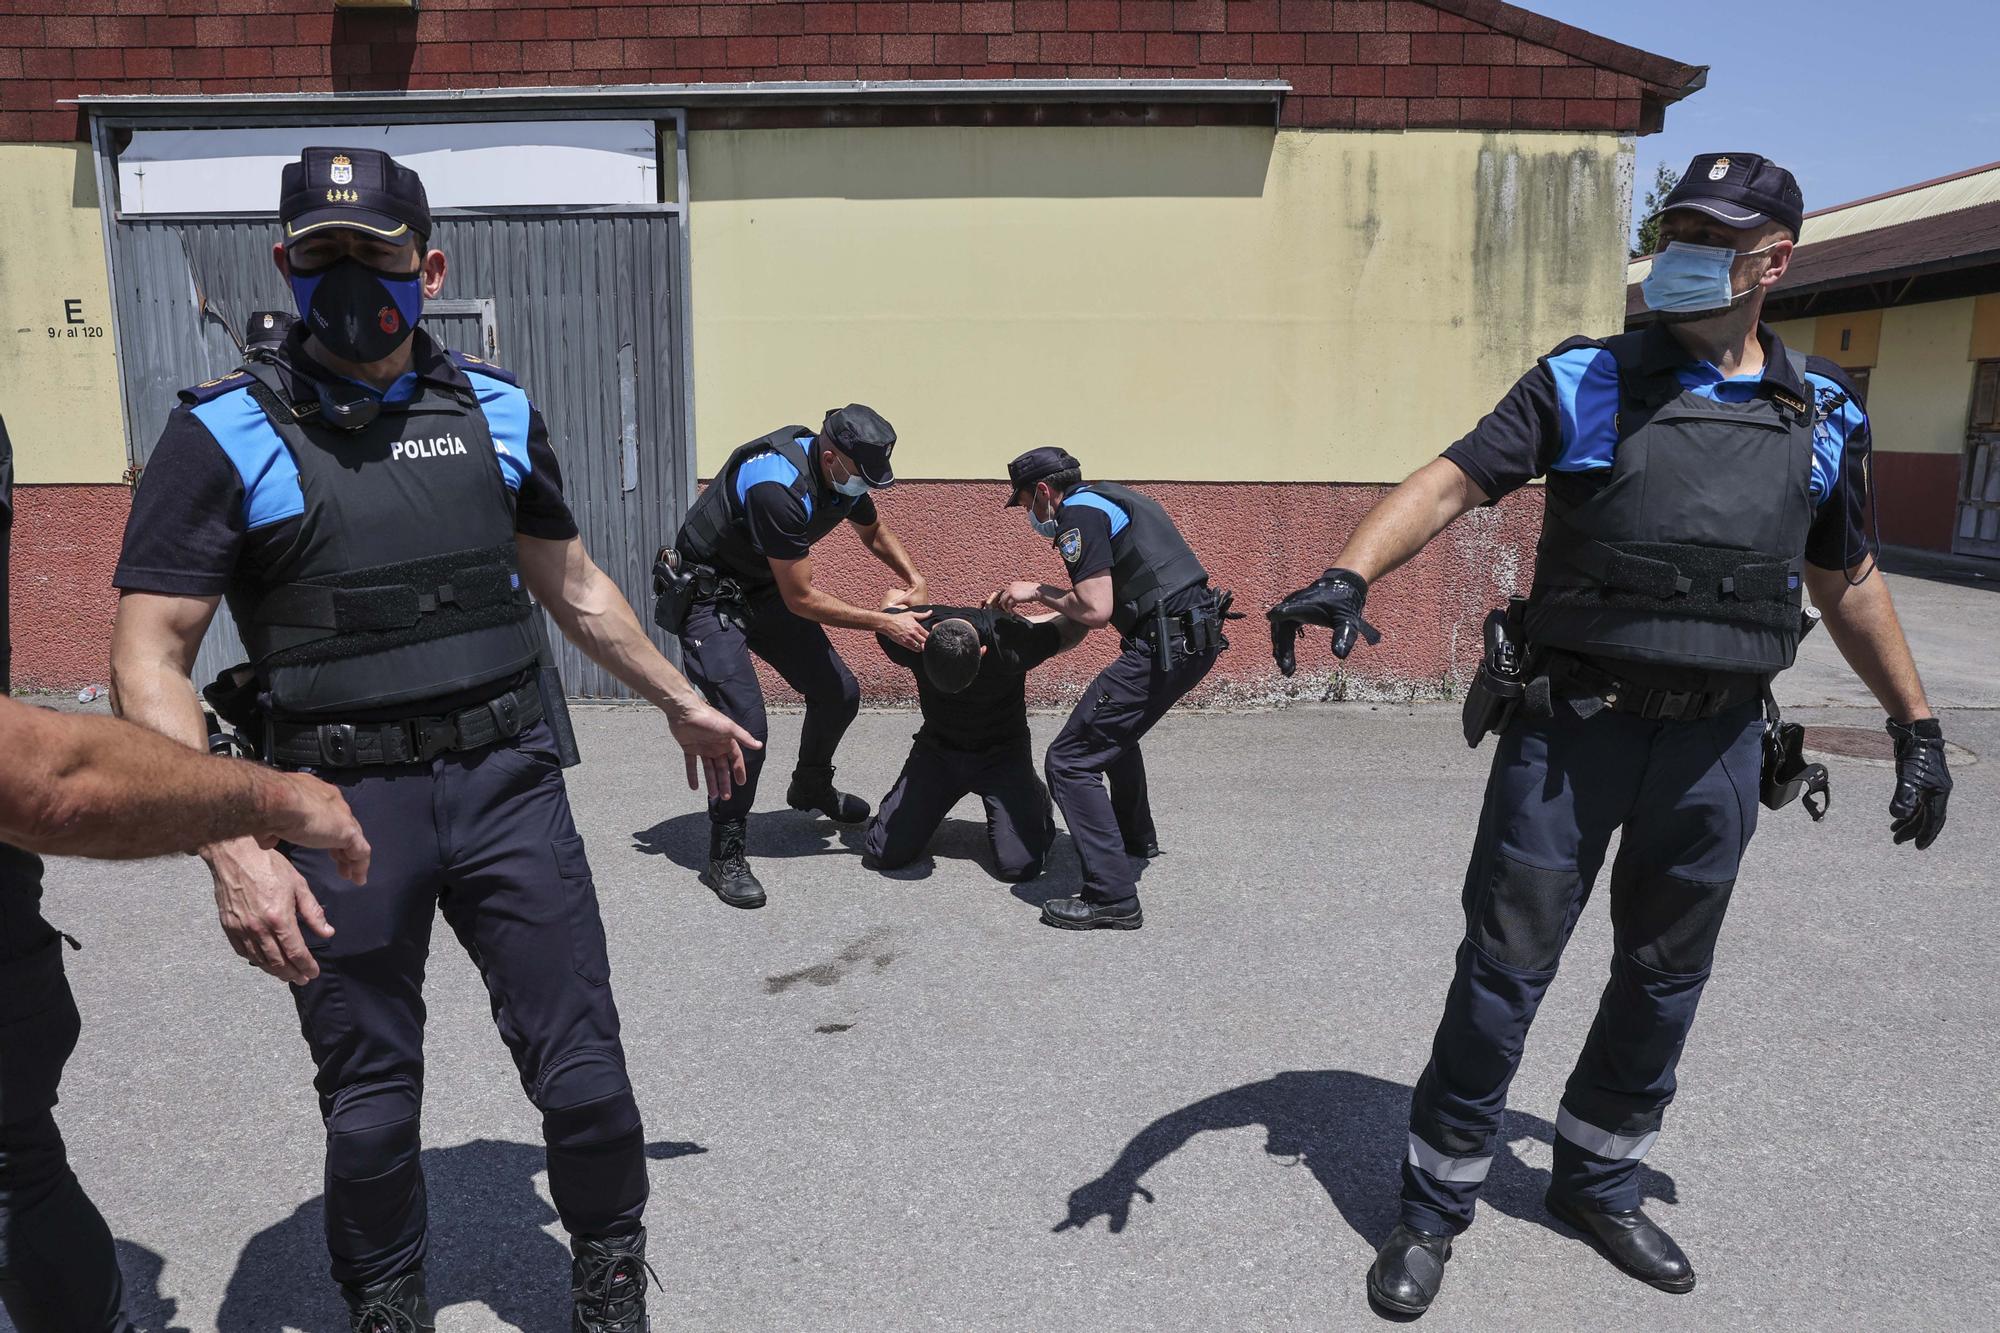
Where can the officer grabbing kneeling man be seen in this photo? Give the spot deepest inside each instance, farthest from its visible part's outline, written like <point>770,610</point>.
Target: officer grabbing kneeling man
<point>1130,568</point>
<point>377,512</point>
<point>1698,473</point>
<point>972,685</point>
<point>739,580</point>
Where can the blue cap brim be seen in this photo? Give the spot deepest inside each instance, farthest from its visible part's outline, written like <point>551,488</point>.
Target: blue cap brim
<point>380,225</point>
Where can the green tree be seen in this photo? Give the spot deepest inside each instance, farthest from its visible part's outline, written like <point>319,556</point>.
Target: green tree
<point>1665,178</point>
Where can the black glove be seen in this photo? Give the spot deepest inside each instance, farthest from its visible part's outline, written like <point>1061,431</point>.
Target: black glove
<point>1923,783</point>
<point>1335,602</point>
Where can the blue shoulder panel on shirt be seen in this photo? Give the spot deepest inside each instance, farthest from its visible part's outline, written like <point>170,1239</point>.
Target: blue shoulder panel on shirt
<point>761,468</point>
<point>1092,500</point>
<point>1836,419</point>
<point>271,491</point>
<point>506,407</point>
<point>1587,401</point>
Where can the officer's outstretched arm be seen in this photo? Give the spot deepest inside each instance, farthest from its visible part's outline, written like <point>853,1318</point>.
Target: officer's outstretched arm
<point>96,786</point>
<point>259,897</point>
<point>1388,535</point>
<point>594,615</point>
<point>802,599</point>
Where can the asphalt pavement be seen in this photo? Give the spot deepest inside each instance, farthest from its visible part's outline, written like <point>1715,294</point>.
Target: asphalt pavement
<point>898,1102</point>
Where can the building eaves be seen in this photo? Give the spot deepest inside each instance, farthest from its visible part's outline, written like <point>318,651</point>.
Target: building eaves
<point>1669,79</point>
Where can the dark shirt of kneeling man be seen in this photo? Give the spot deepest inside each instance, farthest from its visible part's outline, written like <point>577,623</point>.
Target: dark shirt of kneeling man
<point>972,686</point>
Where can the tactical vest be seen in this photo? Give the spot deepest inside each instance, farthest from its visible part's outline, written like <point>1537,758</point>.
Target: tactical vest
<point>1692,553</point>
<point>1150,560</point>
<point>716,532</point>
<point>403,585</point>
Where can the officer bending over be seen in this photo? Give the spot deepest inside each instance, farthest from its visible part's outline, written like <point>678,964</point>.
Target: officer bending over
<point>739,580</point>
<point>94,786</point>
<point>377,511</point>
<point>972,685</point>
<point>1652,631</point>
<point>1129,568</point>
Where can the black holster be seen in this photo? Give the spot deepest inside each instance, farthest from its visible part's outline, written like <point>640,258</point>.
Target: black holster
<point>555,700</point>
<point>673,591</point>
<point>1786,776</point>
<point>232,702</point>
<point>1502,679</point>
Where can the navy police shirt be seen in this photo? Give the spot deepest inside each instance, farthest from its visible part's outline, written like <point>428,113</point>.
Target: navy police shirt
<point>992,710</point>
<point>220,499</point>
<point>1562,417</point>
<point>777,518</point>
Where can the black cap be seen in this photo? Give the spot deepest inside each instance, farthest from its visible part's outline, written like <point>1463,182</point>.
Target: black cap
<point>268,328</point>
<point>1740,190</point>
<point>1032,466</point>
<point>862,434</point>
<point>360,188</point>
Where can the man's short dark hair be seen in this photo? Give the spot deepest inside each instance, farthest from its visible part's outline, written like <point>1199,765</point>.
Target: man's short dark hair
<point>1059,482</point>
<point>951,654</point>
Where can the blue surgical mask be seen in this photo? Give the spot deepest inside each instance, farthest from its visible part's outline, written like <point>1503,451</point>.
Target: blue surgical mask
<point>1689,279</point>
<point>855,485</point>
<point>1047,527</point>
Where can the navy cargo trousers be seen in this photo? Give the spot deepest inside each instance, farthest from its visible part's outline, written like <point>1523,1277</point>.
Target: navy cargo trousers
<point>1685,796</point>
<point>485,836</point>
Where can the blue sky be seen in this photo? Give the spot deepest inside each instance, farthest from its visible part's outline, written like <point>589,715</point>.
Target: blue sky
<point>1854,96</point>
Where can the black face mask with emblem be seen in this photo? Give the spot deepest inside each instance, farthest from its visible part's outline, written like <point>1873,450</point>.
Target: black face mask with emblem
<point>359,313</point>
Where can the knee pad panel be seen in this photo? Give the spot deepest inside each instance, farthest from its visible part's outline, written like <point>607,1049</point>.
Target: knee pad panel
<point>373,1128</point>
<point>1521,916</point>
<point>585,1099</point>
<point>1670,925</point>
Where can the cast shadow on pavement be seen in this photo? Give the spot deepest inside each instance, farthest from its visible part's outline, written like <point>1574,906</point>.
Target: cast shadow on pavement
<point>778,833</point>
<point>487,1244</point>
<point>1350,1130</point>
<point>146,1302</point>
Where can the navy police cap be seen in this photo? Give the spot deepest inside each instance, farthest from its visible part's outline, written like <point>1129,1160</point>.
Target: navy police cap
<point>863,435</point>
<point>1036,464</point>
<point>361,188</point>
<point>1741,190</point>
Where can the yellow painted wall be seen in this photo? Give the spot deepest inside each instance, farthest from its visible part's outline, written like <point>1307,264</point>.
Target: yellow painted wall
<point>1921,387</point>
<point>59,394</point>
<point>1985,328</point>
<point>1187,304</point>
<point>1797,334</point>
<point>1862,331</point>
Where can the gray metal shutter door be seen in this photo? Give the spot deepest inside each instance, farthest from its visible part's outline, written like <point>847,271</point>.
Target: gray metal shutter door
<point>587,318</point>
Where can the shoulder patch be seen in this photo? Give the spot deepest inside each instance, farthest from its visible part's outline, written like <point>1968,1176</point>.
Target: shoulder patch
<point>1070,545</point>
<point>466,361</point>
<point>209,390</point>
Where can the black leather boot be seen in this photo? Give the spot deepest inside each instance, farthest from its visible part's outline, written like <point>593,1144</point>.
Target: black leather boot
<point>812,789</point>
<point>1082,914</point>
<point>1631,1240</point>
<point>1408,1270</point>
<point>395,1306</point>
<point>728,873</point>
<point>1144,851</point>
<point>607,1282</point>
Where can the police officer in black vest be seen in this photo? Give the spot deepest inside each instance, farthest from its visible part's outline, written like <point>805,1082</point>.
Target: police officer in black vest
<point>377,512</point>
<point>91,786</point>
<point>1699,475</point>
<point>739,580</point>
<point>1129,568</point>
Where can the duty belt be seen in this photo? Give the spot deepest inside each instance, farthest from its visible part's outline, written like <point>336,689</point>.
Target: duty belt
<point>1575,679</point>
<point>1194,632</point>
<point>407,740</point>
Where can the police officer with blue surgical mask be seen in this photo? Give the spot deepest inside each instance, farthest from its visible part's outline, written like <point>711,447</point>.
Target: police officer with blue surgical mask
<point>739,580</point>
<point>1700,476</point>
<point>382,516</point>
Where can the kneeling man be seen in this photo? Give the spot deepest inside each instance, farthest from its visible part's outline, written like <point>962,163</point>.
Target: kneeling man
<point>972,685</point>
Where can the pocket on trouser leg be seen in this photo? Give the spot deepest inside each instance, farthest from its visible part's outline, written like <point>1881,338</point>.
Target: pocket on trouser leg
<point>586,924</point>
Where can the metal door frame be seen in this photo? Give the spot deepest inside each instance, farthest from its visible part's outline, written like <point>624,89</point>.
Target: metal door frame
<point>482,306</point>
<point>1964,499</point>
<point>402,109</point>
